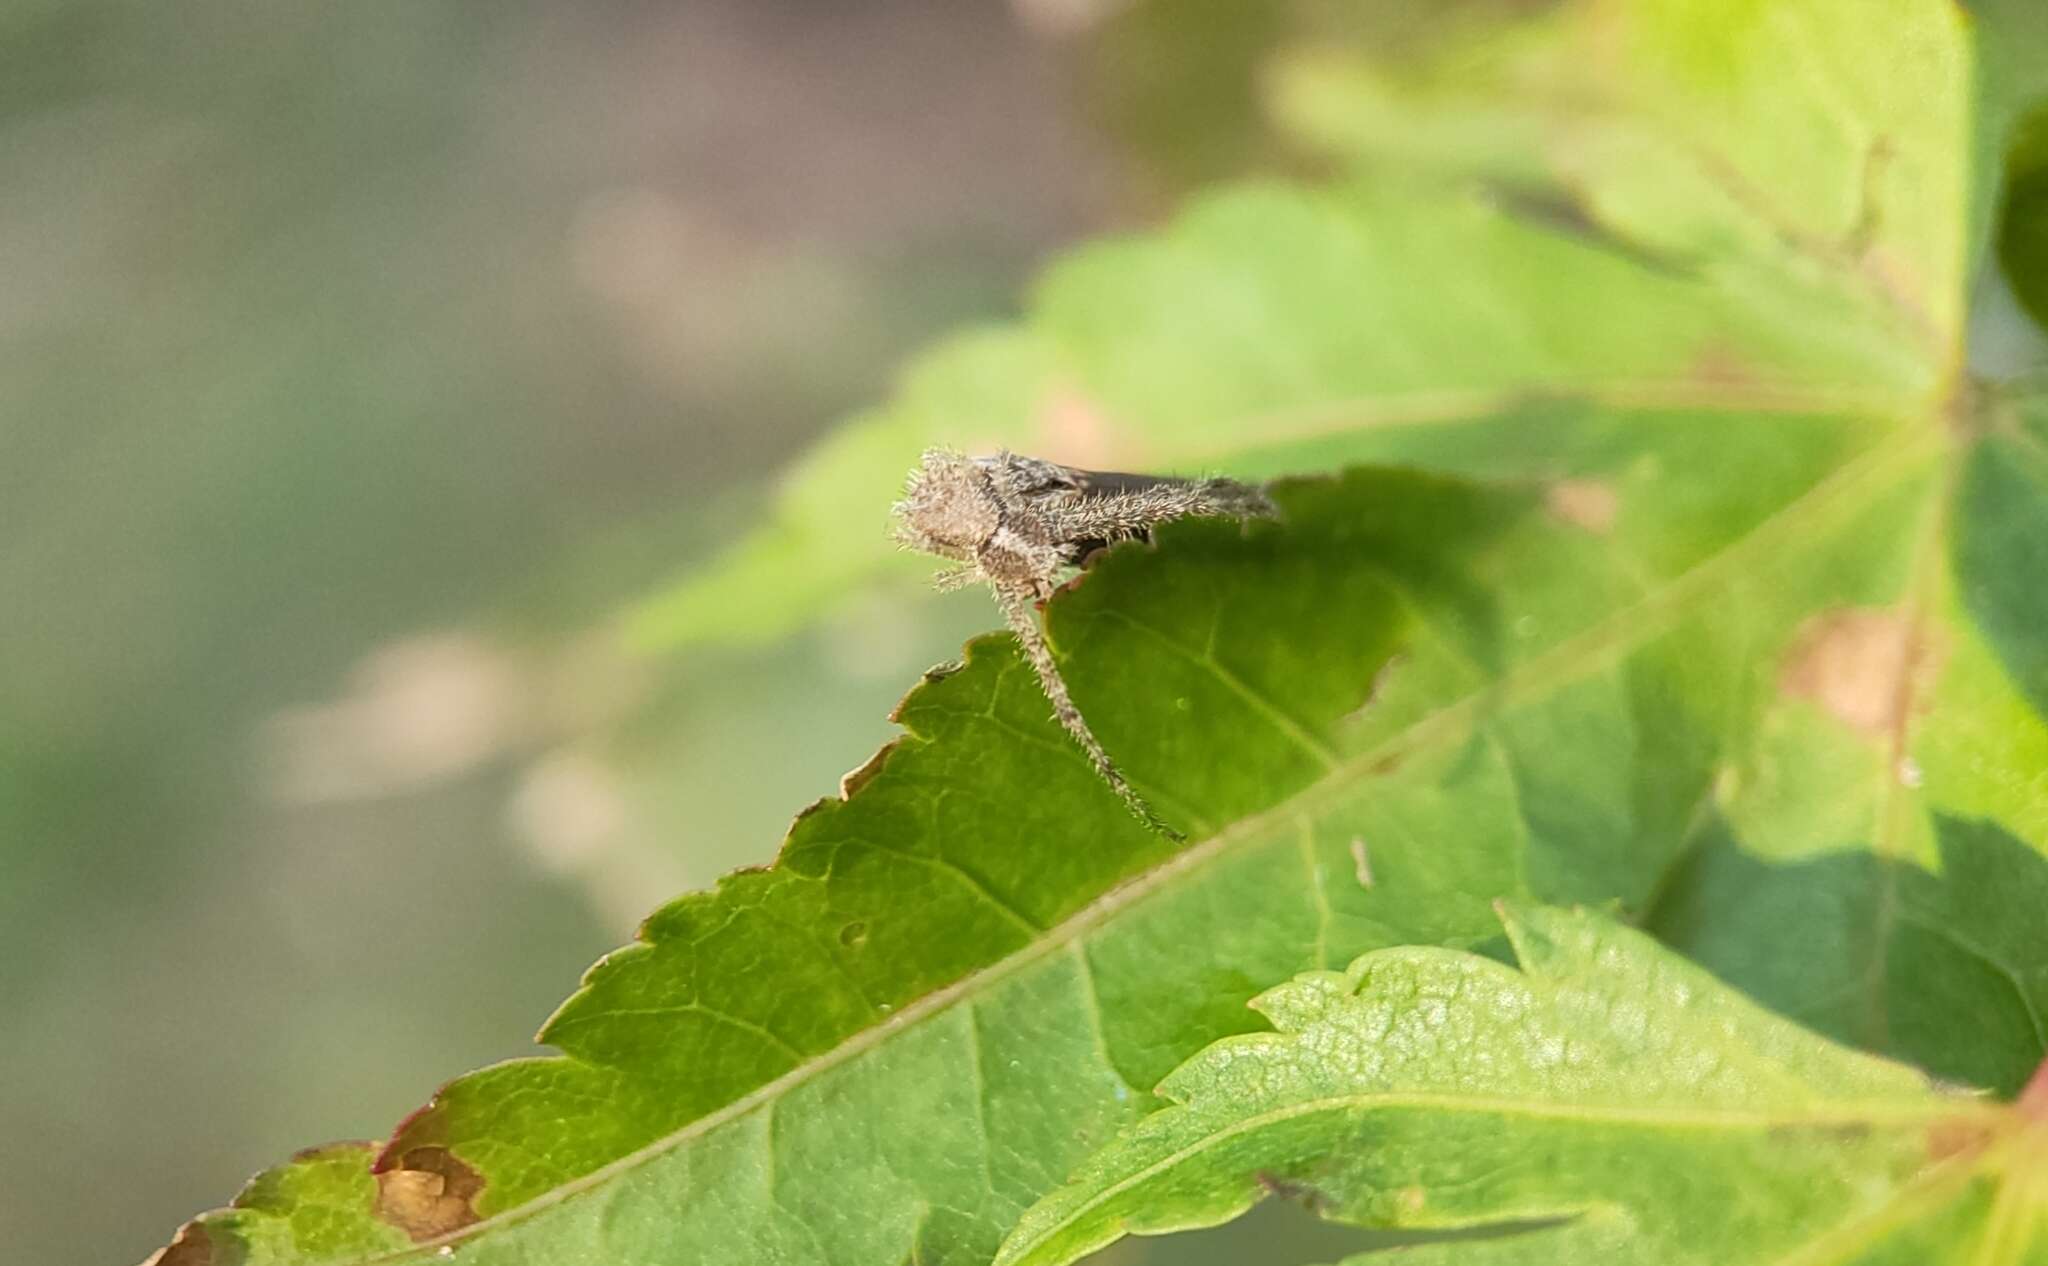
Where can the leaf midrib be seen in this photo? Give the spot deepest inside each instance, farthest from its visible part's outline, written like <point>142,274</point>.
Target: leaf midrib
<point>1629,626</point>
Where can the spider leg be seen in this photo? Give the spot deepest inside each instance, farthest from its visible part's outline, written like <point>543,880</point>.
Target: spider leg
<point>1023,621</point>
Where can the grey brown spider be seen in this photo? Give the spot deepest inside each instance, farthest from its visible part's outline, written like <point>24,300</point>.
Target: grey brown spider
<point>1021,524</point>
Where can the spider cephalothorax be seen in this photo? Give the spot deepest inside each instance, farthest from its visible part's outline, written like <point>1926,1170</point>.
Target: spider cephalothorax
<point>1019,523</point>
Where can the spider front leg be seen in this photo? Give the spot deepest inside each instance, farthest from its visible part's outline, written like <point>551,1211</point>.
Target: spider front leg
<point>1021,615</point>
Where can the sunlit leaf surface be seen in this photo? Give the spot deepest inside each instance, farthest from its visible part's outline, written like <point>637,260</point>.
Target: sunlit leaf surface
<point>1607,1102</point>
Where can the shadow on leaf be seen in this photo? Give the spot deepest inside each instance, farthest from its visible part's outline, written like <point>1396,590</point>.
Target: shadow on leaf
<point>1946,971</point>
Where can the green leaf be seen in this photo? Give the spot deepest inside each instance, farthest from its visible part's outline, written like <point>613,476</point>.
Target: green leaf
<point>1608,1102</point>
<point>1682,539</point>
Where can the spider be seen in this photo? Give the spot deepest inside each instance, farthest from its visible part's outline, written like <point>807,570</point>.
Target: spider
<point>1020,523</point>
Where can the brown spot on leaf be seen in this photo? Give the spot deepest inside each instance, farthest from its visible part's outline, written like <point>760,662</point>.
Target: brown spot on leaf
<point>1857,665</point>
<point>1076,580</point>
<point>191,1246</point>
<point>1292,1189</point>
<point>854,779</point>
<point>430,1194</point>
<point>1583,503</point>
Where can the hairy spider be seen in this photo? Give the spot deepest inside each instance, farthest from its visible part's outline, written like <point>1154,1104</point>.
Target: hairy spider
<point>1020,523</point>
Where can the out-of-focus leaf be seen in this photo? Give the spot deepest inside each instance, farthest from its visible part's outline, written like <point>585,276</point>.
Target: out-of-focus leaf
<point>1174,82</point>
<point>1608,1102</point>
<point>1768,199</point>
<point>1177,83</point>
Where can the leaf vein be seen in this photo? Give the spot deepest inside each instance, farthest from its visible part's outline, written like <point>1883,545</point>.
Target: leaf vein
<point>1287,726</point>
